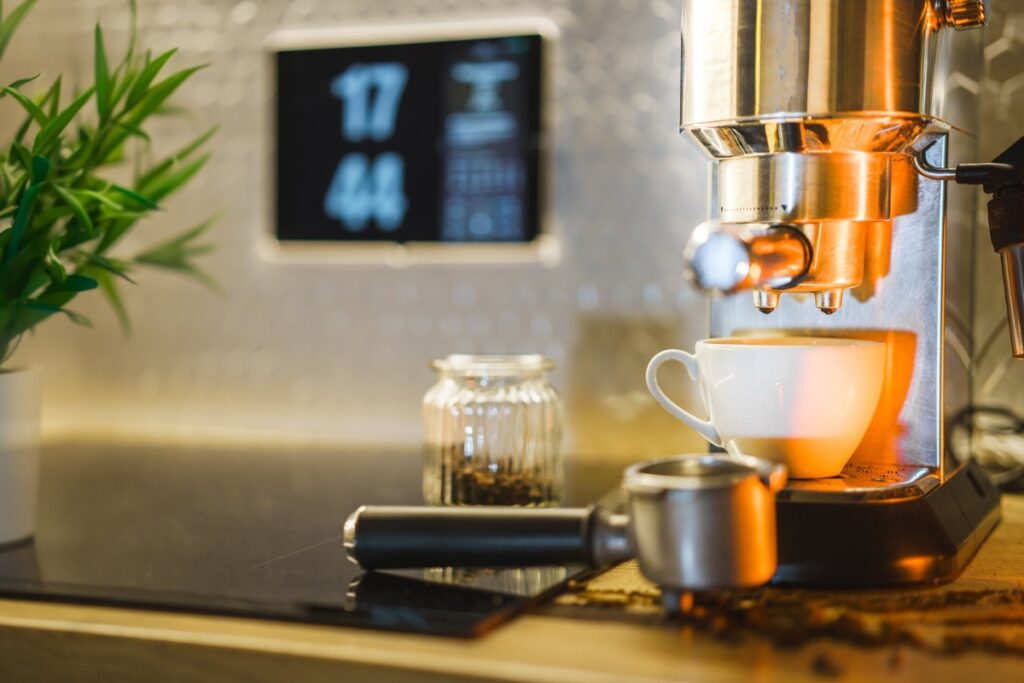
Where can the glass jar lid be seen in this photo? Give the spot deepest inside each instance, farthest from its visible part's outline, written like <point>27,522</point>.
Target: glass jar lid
<point>510,365</point>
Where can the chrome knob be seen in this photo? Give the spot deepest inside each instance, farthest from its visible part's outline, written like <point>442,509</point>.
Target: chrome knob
<point>717,261</point>
<point>729,258</point>
<point>963,14</point>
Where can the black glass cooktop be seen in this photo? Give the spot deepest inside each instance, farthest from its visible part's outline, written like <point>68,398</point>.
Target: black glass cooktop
<point>249,532</point>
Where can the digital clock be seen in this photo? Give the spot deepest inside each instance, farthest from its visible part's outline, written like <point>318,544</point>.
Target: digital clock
<point>430,141</point>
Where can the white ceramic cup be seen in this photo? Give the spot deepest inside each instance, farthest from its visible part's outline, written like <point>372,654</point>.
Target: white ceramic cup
<point>803,401</point>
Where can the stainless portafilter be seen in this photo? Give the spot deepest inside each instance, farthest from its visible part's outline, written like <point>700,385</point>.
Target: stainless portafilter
<point>1003,178</point>
<point>695,522</point>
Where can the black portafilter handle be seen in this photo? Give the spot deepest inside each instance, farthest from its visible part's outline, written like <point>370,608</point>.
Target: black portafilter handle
<point>384,537</point>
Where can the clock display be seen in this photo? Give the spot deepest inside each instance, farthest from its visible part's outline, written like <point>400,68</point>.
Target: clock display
<point>413,142</point>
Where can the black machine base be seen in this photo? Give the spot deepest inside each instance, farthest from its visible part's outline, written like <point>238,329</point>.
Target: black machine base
<point>922,539</point>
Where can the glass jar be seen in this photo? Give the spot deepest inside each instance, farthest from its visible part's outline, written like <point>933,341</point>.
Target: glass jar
<point>492,433</point>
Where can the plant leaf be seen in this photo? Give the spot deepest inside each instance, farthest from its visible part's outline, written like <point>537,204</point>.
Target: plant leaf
<point>133,130</point>
<point>39,279</point>
<point>182,154</point>
<point>81,215</point>
<point>133,31</point>
<point>159,93</point>
<point>124,83</point>
<point>10,23</point>
<point>146,106</point>
<point>33,109</point>
<point>51,131</point>
<point>16,186</point>
<point>177,252</point>
<point>108,285</point>
<point>28,202</point>
<point>190,270</point>
<point>24,157</point>
<point>101,198</point>
<point>135,196</point>
<point>198,142</point>
<point>40,169</point>
<point>50,309</point>
<point>77,318</point>
<point>114,215</point>
<point>111,266</point>
<point>61,212</point>
<point>146,76</point>
<point>76,283</point>
<point>20,82</point>
<point>102,77</point>
<point>54,267</point>
<point>47,216</point>
<point>53,97</point>
<point>171,250</point>
<point>23,129</point>
<point>160,187</point>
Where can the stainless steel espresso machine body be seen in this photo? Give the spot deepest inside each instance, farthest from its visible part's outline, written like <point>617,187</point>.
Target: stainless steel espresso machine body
<point>818,116</point>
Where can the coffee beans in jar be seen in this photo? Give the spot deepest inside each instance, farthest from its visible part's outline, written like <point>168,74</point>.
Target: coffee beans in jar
<point>492,433</point>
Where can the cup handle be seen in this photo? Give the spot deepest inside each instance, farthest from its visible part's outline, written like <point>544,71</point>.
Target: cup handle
<point>703,427</point>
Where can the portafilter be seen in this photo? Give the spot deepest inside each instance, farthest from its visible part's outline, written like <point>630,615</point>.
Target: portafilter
<point>695,522</point>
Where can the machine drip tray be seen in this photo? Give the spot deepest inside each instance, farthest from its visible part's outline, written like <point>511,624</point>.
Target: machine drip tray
<point>883,526</point>
<point>864,482</point>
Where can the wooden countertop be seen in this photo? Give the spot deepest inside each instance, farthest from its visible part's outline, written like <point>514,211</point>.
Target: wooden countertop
<point>57,642</point>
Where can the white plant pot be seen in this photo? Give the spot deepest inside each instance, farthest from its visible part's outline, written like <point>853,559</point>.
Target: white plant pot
<point>20,408</point>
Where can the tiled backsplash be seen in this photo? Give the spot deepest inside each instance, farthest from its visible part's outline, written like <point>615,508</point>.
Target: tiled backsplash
<point>341,350</point>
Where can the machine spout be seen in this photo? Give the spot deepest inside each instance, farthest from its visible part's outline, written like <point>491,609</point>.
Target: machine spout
<point>766,301</point>
<point>828,302</point>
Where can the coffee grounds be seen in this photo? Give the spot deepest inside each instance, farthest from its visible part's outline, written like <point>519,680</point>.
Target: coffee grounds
<point>945,621</point>
<point>948,622</point>
<point>478,485</point>
<point>473,486</point>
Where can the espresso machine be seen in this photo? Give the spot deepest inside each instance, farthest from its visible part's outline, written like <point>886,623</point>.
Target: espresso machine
<point>823,122</point>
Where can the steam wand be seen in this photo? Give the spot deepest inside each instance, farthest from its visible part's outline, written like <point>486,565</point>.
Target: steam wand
<point>1003,178</point>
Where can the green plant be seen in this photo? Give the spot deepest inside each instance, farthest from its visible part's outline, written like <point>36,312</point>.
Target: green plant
<point>61,216</point>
